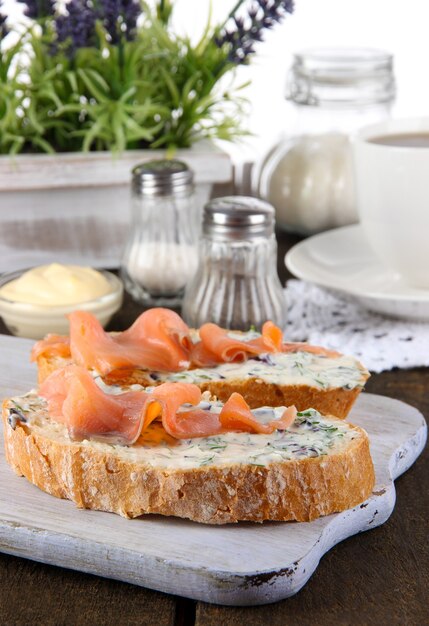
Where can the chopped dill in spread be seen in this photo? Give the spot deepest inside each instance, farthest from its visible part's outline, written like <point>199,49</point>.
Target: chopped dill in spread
<point>282,368</point>
<point>311,435</point>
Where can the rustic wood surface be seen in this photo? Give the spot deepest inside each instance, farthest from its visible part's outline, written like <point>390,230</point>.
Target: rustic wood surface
<point>376,578</point>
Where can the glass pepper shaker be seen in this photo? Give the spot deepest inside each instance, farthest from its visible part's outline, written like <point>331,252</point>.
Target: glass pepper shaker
<point>236,284</point>
<point>161,255</point>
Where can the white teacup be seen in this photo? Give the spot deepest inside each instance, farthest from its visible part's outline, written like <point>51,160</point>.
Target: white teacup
<point>392,187</point>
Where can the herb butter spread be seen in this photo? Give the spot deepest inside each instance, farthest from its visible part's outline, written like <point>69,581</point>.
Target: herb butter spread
<point>281,368</point>
<point>310,436</point>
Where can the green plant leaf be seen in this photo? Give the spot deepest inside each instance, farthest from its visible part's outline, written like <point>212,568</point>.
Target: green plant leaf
<point>72,80</point>
<point>91,134</point>
<point>158,90</point>
<point>44,145</point>
<point>172,87</point>
<point>87,78</point>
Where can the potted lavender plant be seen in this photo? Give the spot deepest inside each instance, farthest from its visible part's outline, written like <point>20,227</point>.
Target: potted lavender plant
<point>88,91</point>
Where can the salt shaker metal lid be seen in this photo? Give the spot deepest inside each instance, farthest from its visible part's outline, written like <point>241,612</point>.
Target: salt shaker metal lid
<point>162,177</point>
<point>238,217</point>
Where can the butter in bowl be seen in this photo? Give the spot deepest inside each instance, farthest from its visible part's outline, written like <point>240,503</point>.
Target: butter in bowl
<point>36,302</point>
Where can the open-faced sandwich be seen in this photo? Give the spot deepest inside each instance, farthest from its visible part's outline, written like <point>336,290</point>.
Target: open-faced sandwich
<point>167,450</point>
<point>128,423</point>
<point>159,347</point>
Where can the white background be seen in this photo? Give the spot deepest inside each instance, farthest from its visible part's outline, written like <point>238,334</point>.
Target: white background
<point>399,26</point>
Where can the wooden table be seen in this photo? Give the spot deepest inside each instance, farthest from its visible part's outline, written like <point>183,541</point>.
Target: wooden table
<point>376,578</point>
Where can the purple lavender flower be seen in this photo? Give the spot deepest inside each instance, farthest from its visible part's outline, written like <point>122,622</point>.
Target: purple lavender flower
<point>245,32</point>
<point>3,28</point>
<point>77,26</point>
<point>37,9</point>
<point>119,18</point>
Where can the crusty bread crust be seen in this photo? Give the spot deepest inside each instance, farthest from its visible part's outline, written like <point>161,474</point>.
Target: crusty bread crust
<point>336,401</point>
<point>300,490</point>
<point>257,392</point>
<point>46,365</point>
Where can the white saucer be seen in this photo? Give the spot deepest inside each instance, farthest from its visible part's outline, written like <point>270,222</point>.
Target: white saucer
<point>342,260</point>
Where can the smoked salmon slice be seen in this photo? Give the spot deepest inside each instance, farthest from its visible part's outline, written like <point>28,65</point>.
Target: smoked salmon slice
<point>236,415</point>
<point>185,424</point>
<point>271,339</point>
<point>75,400</point>
<point>51,345</point>
<point>306,347</point>
<point>217,346</point>
<point>158,340</point>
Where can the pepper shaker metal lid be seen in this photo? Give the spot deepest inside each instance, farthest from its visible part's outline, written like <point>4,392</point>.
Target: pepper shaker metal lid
<point>162,177</point>
<point>238,217</point>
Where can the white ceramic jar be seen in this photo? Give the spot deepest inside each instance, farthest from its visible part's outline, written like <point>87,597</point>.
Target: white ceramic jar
<point>308,174</point>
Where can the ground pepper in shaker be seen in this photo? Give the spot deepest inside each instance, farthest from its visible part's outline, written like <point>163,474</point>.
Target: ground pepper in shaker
<point>161,256</point>
<point>236,284</point>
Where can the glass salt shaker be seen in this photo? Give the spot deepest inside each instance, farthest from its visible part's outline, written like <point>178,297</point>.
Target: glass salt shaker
<point>161,255</point>
<point>308,174</point>
<point>236,284</point>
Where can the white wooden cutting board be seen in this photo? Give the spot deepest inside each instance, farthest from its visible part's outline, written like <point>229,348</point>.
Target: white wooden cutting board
<point>243,564</point>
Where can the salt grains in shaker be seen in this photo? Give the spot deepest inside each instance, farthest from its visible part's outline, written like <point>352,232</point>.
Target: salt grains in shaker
<point>161,256</point>
<point>236,285</point>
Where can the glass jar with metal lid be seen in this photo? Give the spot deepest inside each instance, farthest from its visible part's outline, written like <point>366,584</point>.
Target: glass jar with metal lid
<point>236,285</point>
<point>160,256</point>
<point>308,174</point>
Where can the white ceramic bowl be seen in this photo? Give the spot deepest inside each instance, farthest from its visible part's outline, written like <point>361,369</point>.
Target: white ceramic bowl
<point>36,321</point>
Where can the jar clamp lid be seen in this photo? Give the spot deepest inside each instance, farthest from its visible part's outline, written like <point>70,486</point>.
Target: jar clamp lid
<point>341,77</point>
<point>238,217</point>
<point>162,177</point>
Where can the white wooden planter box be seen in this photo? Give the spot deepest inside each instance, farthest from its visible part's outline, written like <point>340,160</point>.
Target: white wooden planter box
<point>74,207</point>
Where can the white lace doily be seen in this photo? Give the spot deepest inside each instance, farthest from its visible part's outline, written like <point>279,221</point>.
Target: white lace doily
<point>336,322</point>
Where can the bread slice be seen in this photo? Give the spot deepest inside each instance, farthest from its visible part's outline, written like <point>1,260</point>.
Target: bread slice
<point>319,465</point>
<point>329,384</point>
